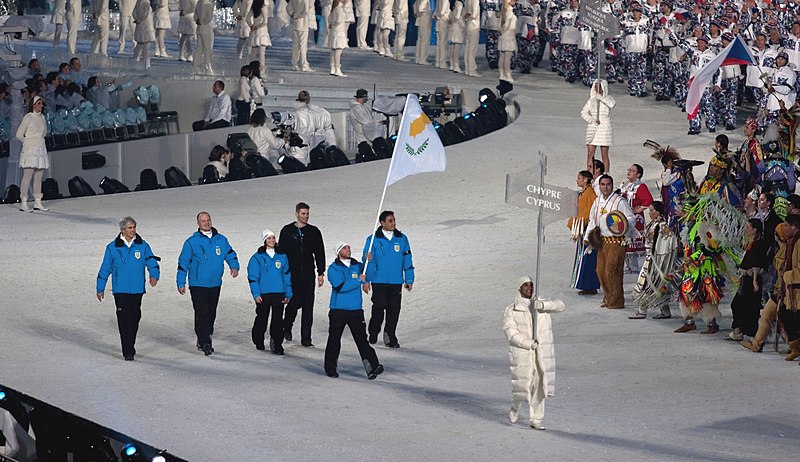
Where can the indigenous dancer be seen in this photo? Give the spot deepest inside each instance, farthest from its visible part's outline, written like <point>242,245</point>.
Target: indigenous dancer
<point>653,288</point>
<point>639,198</point>
<point>584,270</point>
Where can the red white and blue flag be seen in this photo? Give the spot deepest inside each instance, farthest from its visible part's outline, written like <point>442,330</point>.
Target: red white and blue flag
<point>735,53</point>
<point>530,32</point>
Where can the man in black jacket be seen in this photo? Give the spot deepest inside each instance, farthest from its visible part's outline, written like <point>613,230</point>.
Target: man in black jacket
<point>302,244</point>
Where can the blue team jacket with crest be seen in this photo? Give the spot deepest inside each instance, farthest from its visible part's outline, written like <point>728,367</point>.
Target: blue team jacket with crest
<point>126,266</point>
<point>202,258</point>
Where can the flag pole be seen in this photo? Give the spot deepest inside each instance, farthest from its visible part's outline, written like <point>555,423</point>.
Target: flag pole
<point>385,186</point>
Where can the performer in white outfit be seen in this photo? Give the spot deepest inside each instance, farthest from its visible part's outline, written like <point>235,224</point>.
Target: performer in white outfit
<point>101,15</point>
<point>302,13</point>
<point>597,114</point>
<point>144,34</point>
<point>422,19</point>
<point>385,23</point>
<point>187,28</point>
<point>33,159</point>
<point>240,10</point>
<point>507,43</point>
<point>163,24</point>
<point>362,12</point>
<point>125,23</point>
<point>442,16</point>
<point>472,31</point>
<point>204,17</point>
<point>337,36</point>
<point>400,13</point>
<point>74,12</point>
<point>58,17</point>
<point>528,328</point>
<point>257,20</point>
<point>455,35</point>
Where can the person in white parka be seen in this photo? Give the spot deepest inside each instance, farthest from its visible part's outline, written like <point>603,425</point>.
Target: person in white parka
<point>597,113</point>
<point>34,159</point>
<point>162,24</point>
<point>530,351</point>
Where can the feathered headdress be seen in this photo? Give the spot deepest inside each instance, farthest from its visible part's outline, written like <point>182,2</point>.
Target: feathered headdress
<point>660,153</point>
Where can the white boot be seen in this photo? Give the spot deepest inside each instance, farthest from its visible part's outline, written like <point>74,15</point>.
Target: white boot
<point>37,203</point>
<point>333,70</point>
<point>23,204</point>
<point>339,72</point>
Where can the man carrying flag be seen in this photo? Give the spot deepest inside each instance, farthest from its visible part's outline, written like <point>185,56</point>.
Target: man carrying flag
<point>387,253</point>
<point>704,71</point>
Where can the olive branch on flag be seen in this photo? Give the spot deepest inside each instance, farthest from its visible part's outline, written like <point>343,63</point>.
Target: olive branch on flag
<point>415,152</point>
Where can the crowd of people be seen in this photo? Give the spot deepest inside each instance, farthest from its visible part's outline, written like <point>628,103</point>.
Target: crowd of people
<point>283,275</point>
<point>690,243</point>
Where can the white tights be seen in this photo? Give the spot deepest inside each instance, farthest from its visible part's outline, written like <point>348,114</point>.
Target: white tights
<point>28,174</point>
<point>161,45</point>
<point>185,43</point>
<point>504,62</point>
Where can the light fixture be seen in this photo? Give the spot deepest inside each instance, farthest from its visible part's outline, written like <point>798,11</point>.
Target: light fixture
<point>291,165</point>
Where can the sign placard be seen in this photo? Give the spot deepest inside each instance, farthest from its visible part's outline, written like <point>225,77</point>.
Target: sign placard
<point>557,202</point>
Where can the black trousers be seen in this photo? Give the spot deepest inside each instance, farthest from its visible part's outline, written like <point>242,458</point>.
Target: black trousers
<point>385,298</point>
<point>200,125</point>
<point>242,112</point>
<point>791,322</point>
<point>275,303</point>
<point>358,328</point>
<point>129,312</point>
<point>302,299</point>
<point>204,300</point>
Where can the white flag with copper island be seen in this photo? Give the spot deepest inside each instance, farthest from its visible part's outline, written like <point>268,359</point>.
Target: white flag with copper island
<point>418,148</point>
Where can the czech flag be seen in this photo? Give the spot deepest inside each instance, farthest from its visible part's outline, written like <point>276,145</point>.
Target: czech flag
<point>530,32</point>
<point>734,54</point>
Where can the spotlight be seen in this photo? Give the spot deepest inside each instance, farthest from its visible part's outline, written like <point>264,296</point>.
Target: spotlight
<point>2,395</point>
<point>159,459</point>
<point>130,452</point>
<point>291,165</point>
<point>486,95</point>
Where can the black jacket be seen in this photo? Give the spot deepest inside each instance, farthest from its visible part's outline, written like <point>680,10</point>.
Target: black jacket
<point>303,250</point>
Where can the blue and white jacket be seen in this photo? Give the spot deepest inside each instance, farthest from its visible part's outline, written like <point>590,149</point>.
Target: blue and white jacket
<point>345,285</point>
<point>202,258</point>
<point>126,266</point>
<point>391,259</point>
<point>269,275</point>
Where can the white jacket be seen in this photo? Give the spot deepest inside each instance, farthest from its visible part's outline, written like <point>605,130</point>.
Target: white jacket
<point>602,134</point>
<point>518,325</point>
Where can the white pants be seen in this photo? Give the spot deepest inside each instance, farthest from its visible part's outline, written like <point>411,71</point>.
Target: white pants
<point>72,35</point>
<point>299,49</point>
<point>423,42</point>
<point>471,50</point>
<point>125,31</point>
<point>361,31</point>
<point>100,40</point>
<point>205,47</point>
<point>537,396</point>
<point>400,28</point>
<point>441,44</point>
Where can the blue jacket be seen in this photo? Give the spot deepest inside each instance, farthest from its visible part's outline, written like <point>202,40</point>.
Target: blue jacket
<point>126,266</point>
<point>391,260</point>
<point>269,275</point>
<point>346,285</point>
<point>203,258</point>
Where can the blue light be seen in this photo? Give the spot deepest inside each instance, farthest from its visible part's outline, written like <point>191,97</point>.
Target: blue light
<point>467,116</point>
<point>2,395</point>
<point>130,450</point>
<point>484,105</point>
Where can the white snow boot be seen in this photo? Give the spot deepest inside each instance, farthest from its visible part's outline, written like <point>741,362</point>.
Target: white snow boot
<point>37,203</point>
<point>23,204</point>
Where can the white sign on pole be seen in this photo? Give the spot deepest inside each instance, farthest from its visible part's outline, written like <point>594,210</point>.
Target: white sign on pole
<point>524,190</point>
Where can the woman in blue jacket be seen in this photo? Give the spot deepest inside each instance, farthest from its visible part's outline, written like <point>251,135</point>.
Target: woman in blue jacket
<point>271,286</point>
<point>125,260</point>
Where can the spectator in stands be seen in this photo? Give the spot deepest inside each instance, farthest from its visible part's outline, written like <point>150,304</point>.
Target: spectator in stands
<point>69,96</point>
<point>34,67</point>
<point>269,146</point>
<point>63,72</point>
<point>5,103</point>
<point>362,118</point>
<point>219,158</point>
<point>219,111</point>
<point>100,94</point>
<point>243,101</point>
<point>33,159</point>
<point>75,73</point>
<point>53,82</point>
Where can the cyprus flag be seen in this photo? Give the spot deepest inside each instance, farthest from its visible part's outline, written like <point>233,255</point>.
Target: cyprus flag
<point>418,148</point>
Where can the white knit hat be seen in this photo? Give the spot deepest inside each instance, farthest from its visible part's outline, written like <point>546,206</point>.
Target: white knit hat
<point>265,234</point>
<point>339,246</point>
<point>523,280</point>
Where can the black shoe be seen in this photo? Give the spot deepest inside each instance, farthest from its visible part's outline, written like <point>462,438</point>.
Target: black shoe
<point>375,372</point>
<point>712,130</point>
<point>129,358</point>
<point>199,347</point>
<point>287,335</point>
<point>730,127</point>
<point>571,79</point>
<point>260,347</point>
<point>373,339</point>
<point>278,351</point>
<point>587,292</point>
<point>394,344</point>
<point>307,344</point>
<point>333,375</point>
<point>207,350</point>
<point>693,132</point>
<point>644,95</point>
<point>632,94</point>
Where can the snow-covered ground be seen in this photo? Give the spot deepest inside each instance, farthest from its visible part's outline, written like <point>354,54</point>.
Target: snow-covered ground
<point>625,390</point>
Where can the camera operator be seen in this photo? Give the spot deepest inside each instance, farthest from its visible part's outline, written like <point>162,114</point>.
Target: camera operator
<point>363,120</point>
<point>313,124</point>
<point>269,146</point>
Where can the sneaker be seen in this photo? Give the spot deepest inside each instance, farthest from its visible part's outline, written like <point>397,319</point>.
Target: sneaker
<point>333,375</point>
<point>637,316</point>
<point>375,372</point>
<point>207,350</point>
<point>307,344</point>
<point>686,327</point>
<point>537,425</point>
<point>287,336</point>
<point>373,339</point>
<point>513,414</point>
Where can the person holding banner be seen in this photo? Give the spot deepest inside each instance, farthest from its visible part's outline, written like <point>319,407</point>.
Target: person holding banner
<point>699,57</point>
<point>610,223</point>
<point>390,269</point>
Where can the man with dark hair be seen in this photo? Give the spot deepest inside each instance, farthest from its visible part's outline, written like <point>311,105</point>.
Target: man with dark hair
<point>302,244</point>
<point>203,257</point>
<point>793,204</point>
<point>219,111</point>
<point>390,267</point>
